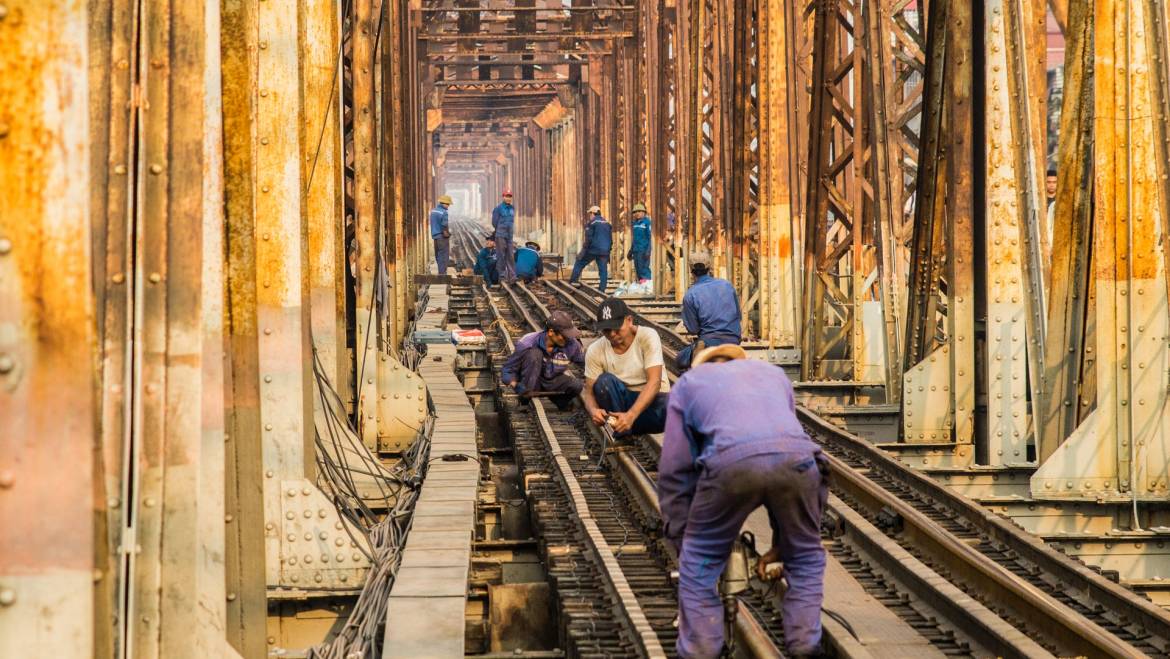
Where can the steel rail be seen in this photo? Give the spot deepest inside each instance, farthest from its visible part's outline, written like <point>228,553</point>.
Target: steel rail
<point>1059,622</point>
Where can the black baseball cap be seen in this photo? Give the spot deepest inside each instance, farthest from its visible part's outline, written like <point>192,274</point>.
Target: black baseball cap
<point>611,314</point>
<point>563,324</point>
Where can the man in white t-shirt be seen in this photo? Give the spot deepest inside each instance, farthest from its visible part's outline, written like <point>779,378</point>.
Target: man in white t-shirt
<point>625,377</point>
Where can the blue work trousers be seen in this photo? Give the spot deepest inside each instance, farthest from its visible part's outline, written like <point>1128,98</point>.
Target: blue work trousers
<point>442,253</point>
<point>642,265</point>
<point>684,357</point>
<point>602,268</point>
<point>792,488</point>
<point>533,380</point>
<point>505,259</point>
<point>613,395</point>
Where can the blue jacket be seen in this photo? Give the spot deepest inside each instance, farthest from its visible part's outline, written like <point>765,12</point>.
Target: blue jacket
<point>718,414</point>
<point>438,221</point>
<point>598,237</point>
<point>641,231</point>
<point>711,307</point>
<point>485,264</point>
<point>554,363</point>
<point>528,263</point>
<point>503,220</point>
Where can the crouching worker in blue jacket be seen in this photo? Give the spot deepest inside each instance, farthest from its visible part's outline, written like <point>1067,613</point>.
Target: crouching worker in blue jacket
<point>733,443</point>
<point>485,262</point>
<point>539,362</point>
<point>529,267</point>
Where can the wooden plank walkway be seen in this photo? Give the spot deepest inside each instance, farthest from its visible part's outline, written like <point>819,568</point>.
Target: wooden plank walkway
<point>426,613</point>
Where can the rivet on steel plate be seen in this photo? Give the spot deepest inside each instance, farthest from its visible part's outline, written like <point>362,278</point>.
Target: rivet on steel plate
<point>156,168</point>
<point>5,246</point>
<point>155,278</point>
<point>7,479</point>
<point>7,364</point>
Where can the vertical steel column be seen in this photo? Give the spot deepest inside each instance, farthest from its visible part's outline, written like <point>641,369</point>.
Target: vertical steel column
<point>46,336</point>
<point>1120,451</point>
<point>777,276</point>
<point>321,153</point>
<point>366,221</point>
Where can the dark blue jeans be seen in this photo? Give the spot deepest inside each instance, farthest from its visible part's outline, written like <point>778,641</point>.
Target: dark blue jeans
<point>602,268</point>
<point>442,253</point>
<point>642,265</point>
<point>613,395</point>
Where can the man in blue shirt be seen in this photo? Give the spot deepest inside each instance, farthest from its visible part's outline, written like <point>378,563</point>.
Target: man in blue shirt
<point>528,264</point>
<point>598,242</point>
<point>504,222</point>
<point>640,245</point>
<point>732,444</point>
<point>440,233</point>
<point>539,362</point>
<point>485,262</point>
<point>710,310</point>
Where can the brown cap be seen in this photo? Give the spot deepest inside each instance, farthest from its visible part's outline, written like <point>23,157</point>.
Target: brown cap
<point>563,324</point>
<point>725,352</point>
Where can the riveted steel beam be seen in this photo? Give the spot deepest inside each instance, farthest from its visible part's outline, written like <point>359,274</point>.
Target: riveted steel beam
<point>47,342</point>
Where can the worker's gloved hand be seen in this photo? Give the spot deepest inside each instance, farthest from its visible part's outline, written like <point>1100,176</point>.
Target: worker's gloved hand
<point>771,556</point>
<point>598,415</point>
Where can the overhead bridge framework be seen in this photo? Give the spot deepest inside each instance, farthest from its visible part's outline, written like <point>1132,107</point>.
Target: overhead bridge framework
<point>215,212</point>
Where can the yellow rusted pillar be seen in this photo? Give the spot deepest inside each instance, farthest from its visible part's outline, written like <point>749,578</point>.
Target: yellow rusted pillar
<point>47,345</point>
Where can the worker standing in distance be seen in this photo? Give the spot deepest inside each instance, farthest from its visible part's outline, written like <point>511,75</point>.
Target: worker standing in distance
<point>640,244</point>
<point>540,359</point>
<point>504,222</point>
<point>597,245</point>
<point>485,262</point>
<point>710,310</point>
<point>441,233</point>
<point>529,267</point>
<point>625,376</point>
<point>732,444</point>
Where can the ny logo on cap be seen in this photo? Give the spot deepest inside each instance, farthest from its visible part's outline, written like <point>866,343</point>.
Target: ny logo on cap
<point>606,313</point>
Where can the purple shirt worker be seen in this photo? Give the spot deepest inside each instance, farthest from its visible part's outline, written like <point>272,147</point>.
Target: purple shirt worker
<point>732,444</point>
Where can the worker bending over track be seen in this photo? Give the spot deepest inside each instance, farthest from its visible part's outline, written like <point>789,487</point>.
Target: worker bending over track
<point>732,444</point>
<point>538,364</point>
<point>528,264</point>
<point>710,311</point>
<point>625,379</point>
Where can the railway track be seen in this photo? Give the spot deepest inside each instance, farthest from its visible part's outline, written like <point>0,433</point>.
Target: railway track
<point>1032,586</point>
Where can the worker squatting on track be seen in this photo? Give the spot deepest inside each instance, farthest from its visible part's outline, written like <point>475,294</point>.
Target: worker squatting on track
<point>625,376</point>
<point>485,262</point>
<point>595,248</point>
<point>710,311</point>
<point>540,359</point>
<point>441,233</point>
<point>732,444</point>
<point>504,223</point>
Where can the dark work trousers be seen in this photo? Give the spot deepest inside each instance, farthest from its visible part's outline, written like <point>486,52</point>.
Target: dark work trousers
<point>602,268</point>
<point>442,253</point>
<point>613,395</point>
<point>505,259</point>
<point>792,488</point>
<point>642,265</point>
<point>532,380</point>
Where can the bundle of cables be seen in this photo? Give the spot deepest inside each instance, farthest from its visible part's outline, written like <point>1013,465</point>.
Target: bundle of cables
<point>341,458</point>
